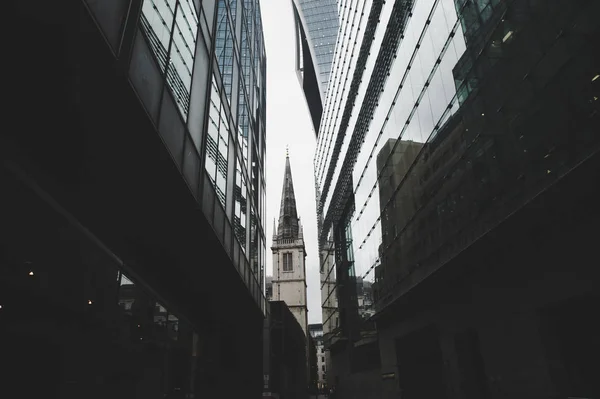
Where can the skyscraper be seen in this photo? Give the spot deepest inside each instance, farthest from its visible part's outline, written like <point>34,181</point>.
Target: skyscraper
<point>443,117</point>
<point>149,189</point>
<point>317,26</point>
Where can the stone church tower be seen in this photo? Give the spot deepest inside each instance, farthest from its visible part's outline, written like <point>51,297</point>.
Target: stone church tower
<point>289,254</point>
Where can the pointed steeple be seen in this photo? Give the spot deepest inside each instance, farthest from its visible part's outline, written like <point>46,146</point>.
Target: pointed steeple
<point>288,216</point>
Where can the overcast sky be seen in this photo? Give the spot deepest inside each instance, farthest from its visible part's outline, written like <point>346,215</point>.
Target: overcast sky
<point>288,124</point>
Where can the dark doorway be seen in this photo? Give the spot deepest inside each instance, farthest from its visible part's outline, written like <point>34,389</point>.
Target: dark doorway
<point>470,364</point>
<point>571,334</point>
<point>420,365</point>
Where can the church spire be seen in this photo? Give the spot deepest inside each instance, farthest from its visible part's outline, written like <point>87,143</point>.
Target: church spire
<point>288,215</point>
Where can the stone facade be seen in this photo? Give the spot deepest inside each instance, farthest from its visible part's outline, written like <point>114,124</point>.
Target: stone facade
<point>290,286</point>
<point>289,255</point>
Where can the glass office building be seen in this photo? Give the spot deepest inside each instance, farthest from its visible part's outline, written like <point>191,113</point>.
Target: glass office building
<point>236,110</point>
<point>432,102</point>
<point>319,22</point>
<point>401,86</point>
<point>133,250</point>
<point>317,26</point>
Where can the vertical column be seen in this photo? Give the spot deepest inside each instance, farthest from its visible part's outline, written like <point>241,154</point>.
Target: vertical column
<point>389,365</point>
<point>129,30</point>
<point>267,353</point>
<point>205,357</point>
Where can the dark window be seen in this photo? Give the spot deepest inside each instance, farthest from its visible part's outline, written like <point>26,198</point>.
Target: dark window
<point>288,265</point>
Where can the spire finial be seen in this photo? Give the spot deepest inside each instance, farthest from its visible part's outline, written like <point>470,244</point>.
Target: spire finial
<point>288,215</point>
<point>287,151</point>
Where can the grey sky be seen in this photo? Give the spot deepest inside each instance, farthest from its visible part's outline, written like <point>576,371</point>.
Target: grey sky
<point>288,124</point>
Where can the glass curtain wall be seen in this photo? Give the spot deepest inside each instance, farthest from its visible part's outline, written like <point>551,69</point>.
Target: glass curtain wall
<point>433,140</point>
<point>321,24</point>
<point>171,27</point>
<point>235,118</point>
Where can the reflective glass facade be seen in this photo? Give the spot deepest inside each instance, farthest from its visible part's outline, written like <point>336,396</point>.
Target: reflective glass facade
<point>442,117</point>
<point>234,145</point>
<point>162,20</point>
<point>320,23</point>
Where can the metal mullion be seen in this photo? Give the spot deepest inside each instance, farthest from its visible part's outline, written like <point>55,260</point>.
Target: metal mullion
<point>164,74</point>
<point>207,105</point>
<point>125,49</point>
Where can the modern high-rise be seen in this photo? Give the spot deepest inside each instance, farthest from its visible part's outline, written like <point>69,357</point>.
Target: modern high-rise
<point>317,25</point>
<point>133,198</point>
<point>455,152</point>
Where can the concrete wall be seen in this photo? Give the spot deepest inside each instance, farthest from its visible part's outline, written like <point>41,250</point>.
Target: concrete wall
<point>301,316</point>
<point>288,356</point>
<point>348,385</point>
<point>330,377</point>
<point>506,322</point>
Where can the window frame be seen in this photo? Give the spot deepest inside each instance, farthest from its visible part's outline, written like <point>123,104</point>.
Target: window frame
<point>288,262</point>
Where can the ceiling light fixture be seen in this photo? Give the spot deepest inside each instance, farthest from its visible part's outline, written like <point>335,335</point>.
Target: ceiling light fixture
<point>595,77</point>
<point>507,36</point>
<point>31,273</point>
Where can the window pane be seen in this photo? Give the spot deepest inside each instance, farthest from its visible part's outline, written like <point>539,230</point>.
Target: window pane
<point>179,76</point>
<point>217,145</point>
<point>239,218</point>
<point>287,262</point>
<point>157,18</point>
